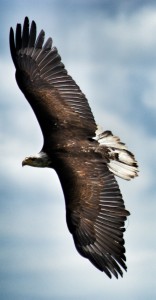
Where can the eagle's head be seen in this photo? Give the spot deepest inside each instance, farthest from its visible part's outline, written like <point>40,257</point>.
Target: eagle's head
<point>41,160</point>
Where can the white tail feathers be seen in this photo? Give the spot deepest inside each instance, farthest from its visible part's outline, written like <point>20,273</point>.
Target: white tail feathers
<point>121,161</point>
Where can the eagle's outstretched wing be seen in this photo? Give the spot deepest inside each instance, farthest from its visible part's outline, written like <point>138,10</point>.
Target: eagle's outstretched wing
<point>95,212</point>
<point>54,96</point>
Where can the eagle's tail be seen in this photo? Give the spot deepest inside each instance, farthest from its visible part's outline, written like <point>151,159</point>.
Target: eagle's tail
<point>121,162</point>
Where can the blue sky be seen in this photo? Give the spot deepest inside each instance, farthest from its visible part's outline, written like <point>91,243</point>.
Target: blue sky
<point>109,48</point>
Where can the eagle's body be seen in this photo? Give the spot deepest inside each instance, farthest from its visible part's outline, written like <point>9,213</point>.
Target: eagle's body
<point>83,157</point>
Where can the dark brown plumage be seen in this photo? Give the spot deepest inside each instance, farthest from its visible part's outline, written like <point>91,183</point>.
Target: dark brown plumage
<point>84,159</point>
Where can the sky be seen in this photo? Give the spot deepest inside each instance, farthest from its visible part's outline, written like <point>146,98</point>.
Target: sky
<point>109,48</point>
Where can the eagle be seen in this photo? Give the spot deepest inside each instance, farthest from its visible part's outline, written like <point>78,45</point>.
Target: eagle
<point>85,158</point>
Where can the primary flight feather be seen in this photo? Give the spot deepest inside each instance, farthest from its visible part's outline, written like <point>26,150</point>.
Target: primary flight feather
<point>84,157</point>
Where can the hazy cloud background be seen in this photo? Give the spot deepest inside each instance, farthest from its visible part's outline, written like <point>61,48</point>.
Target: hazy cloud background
<point>109,47</point>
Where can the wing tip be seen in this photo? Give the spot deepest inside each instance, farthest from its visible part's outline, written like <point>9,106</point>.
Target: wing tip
<point>12,45</point>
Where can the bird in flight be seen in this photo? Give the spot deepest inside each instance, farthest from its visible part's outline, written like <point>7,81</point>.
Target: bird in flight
<point>85,158</point>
